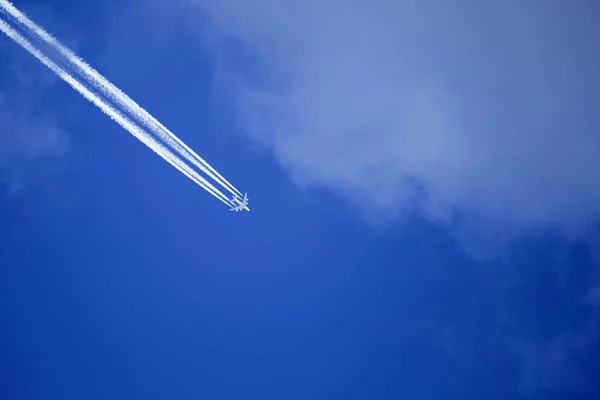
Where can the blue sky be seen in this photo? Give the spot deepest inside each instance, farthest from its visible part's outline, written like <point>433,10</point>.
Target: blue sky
<point>423,184</point>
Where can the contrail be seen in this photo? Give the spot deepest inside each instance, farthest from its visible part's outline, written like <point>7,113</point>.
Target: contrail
<point>113,93</point>
<point>117,116</point>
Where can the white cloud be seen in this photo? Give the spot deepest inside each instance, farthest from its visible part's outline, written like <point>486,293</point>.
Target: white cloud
<point>28,132</point>
<point>26,136</point>
<point>489,108</point>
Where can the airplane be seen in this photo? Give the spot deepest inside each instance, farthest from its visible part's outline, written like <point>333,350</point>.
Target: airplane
<point>241,204</point>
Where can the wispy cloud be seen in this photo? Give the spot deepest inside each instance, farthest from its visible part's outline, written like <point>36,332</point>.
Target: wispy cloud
<point>29,132</point>
<point>488,108</point>
<point>29,136</point>
<point>26,135</point>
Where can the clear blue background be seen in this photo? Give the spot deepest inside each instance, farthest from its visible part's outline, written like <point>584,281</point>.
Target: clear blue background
<point>120,279</point>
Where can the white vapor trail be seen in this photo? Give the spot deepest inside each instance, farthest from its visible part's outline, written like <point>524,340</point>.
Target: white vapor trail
<point>115,95</point>
<point>113,113</point>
